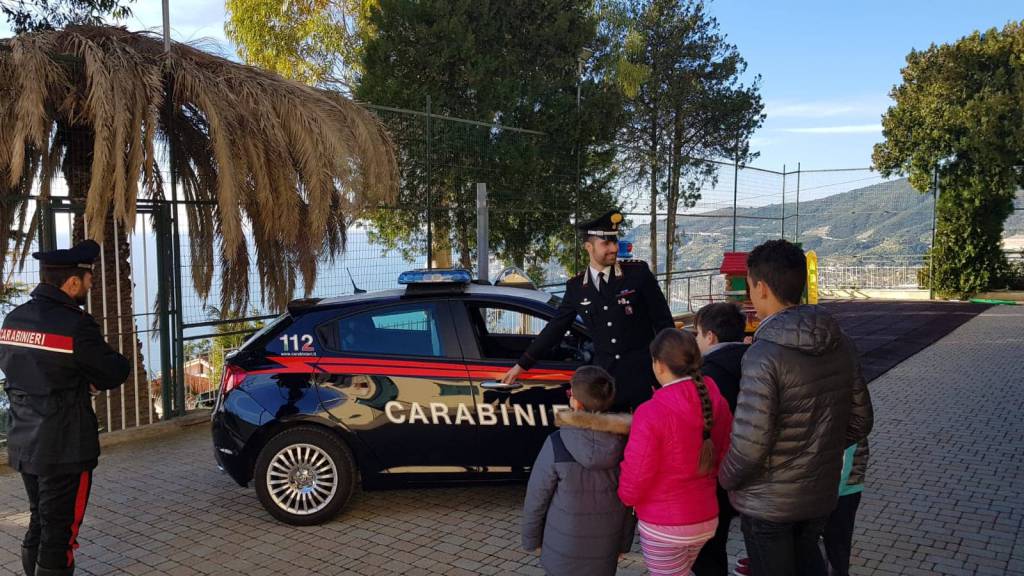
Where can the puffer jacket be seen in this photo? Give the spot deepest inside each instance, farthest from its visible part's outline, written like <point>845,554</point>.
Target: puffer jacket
<point>572,511</point>
<point>660,474</point>
<point>723,366</point>
<point>802,402</point>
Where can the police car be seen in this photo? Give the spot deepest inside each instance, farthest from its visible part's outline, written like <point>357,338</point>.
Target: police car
<point>393,386</point>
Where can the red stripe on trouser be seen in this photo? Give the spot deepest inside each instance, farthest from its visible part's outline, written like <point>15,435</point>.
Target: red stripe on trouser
<point>80,501</point>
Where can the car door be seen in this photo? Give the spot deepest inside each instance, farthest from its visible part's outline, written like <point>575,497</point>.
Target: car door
<point>394,375</point>
<point>514,419</point>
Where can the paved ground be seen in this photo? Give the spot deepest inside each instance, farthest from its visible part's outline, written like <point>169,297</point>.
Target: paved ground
<point>944,494</point>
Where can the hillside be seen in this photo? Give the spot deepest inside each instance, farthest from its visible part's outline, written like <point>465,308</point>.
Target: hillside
<point>875,222</point>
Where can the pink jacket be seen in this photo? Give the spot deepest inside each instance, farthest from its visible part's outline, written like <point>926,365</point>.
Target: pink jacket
<point>659,473</point>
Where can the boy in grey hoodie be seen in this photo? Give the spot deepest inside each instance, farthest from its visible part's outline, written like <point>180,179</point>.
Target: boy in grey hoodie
<point>572,511</point>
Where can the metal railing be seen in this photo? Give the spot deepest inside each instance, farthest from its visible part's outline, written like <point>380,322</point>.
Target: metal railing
<point>688,290</point>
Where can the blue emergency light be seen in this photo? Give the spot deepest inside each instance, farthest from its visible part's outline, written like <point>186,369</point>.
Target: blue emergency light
<point>625,249</point>
<point>436,276</point>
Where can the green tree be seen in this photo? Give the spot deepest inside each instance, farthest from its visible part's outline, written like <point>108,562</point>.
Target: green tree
<point>230,336</point>
<point>9,293</point>
<point>685,104</point>
<point>959,113</point>
<point>28,15</point>
<point>196,348</point>
<point>513,63</point>
<point>318,42</point>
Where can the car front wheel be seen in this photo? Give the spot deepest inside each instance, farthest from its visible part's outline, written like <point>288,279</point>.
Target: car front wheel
<point>305,476</point>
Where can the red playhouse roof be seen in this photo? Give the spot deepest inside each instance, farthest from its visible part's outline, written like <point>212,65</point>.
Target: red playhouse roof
<point>734,264</point>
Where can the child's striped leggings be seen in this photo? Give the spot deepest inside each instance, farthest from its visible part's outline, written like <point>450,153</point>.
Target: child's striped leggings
<point>672,550</point>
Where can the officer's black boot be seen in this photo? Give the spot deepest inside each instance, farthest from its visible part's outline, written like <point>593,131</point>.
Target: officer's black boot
<point>28,560</point>
<point>40,571</point>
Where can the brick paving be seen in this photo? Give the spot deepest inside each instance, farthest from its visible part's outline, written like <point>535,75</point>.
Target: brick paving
<point>944,493</point>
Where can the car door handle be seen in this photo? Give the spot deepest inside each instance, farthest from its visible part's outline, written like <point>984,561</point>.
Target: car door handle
<point>498,385</point>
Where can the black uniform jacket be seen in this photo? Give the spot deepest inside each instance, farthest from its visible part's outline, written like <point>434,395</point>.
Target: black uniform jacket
<point>622,318</point>
<point>51,351</point>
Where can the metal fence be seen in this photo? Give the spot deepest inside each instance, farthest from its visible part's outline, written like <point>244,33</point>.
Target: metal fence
<point>868,232</point>
<point>123,299</point>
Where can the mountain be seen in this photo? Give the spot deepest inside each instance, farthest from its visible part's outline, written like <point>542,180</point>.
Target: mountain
<point>880,222</point>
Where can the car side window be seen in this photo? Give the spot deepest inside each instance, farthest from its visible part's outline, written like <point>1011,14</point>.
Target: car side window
<point>504,333</point>
<point>505,321</point>
<point>410,330</point>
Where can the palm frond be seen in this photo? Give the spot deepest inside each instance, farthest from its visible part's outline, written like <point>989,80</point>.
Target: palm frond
<point>274,168</point>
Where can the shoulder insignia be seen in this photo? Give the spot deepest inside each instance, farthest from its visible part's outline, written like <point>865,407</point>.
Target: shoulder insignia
<point>632,262</point>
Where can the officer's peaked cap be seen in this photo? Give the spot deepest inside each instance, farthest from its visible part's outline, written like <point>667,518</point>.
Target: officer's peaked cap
<point>81,255</point>
<point>605,226</point>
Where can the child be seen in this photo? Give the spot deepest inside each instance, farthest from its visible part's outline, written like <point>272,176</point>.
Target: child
<point>802,400</point>
<point>839,529</point>
<point>677,440</point>
<point>571,511</point>
<point>720,328</point>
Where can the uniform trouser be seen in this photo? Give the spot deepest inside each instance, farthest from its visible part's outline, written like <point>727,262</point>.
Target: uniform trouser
<point>57,504</point>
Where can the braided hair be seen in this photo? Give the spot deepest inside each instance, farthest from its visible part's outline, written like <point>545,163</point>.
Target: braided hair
<point>679,352</point>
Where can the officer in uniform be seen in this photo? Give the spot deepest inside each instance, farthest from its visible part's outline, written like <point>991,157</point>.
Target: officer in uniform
<point>622,307</point>
<point>54,355</point>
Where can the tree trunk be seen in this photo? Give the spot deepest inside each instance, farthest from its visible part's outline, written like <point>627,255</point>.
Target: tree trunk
<point>653,151</point>
<point>111,298</point>
<point>672,205</point>
<point>465,256</point>
<point>442,248</point>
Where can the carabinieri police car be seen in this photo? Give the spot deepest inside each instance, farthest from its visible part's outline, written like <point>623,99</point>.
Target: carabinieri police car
<point>400,385</point>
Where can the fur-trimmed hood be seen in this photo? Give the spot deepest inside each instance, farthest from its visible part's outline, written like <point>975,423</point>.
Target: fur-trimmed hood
<point>602,422</point>
<point>596,441</point>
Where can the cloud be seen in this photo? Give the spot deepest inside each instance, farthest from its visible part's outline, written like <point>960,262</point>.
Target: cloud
<point>825,108</point>
<point>810,110</point>
<point>849,129</point>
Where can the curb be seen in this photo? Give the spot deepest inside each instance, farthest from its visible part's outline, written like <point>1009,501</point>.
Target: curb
<point>1003,295</point>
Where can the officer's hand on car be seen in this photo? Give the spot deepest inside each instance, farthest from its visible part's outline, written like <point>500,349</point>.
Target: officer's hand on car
<point>512,374</point>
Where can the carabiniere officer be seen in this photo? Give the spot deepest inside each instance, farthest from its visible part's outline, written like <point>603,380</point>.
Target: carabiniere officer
<point>622,307</point>
<point>53,355</point>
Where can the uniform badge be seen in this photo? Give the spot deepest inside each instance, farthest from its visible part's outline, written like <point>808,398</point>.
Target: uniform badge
<point>629,310</point>
<point>585,302</point>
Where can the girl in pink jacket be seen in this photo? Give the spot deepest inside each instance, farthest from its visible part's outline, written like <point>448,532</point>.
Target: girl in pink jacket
<point>676,443</point>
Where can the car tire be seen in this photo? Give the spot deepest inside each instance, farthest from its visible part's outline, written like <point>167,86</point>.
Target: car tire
<point>305,476</point>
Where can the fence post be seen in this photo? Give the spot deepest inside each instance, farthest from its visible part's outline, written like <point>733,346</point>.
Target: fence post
<point>931,249</point>
<point>176,261</point>
<point>797,202</point>
<point>783,201</point>
<point>430,205</point>
<point>735,193</point>
<point>483,250</point>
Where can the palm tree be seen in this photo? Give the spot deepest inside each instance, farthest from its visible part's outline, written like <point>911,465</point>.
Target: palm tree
<point>262,161</point>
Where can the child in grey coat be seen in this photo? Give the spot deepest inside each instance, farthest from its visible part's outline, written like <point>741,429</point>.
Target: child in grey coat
<point>572,511</point>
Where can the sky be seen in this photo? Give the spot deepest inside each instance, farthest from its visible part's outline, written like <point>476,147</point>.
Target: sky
<point>826,66</point>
